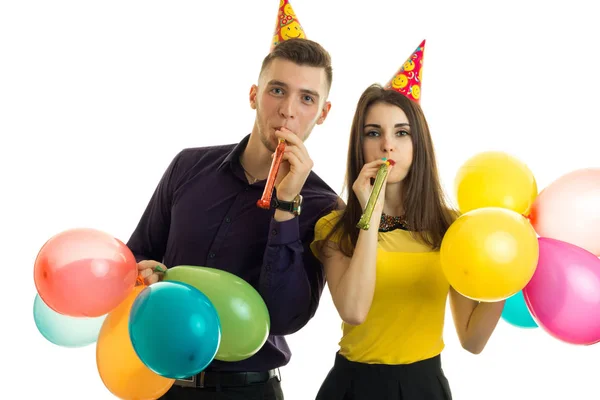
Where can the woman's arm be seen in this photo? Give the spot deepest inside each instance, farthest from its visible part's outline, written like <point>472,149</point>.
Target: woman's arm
<point>474,321</point>
<point>351,281</point>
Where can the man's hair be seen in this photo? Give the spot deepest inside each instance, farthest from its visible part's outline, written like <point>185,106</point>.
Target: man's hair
<point>301,52</point>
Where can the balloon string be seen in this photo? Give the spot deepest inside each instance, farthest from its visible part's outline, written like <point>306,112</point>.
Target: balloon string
<point>139,281</point>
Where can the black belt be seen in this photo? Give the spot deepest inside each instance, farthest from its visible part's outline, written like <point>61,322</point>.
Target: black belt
<point>207,379</point>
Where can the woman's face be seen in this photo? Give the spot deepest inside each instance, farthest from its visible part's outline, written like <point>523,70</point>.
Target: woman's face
<point>386,133</point>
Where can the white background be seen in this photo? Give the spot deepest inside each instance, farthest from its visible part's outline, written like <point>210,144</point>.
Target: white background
<point>97,97</point>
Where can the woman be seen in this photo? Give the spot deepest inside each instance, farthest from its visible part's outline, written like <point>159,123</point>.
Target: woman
<point>386,282</point>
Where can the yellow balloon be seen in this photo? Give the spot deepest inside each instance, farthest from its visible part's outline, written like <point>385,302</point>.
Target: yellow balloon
<point>495,179</point>
<point>489,254</point>
<point>121,370</point>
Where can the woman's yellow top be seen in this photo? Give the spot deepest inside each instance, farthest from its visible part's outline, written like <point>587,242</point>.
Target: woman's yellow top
<point>406,321</point>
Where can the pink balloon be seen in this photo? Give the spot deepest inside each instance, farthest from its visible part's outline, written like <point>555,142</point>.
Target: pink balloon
<point>84,272</point>
<point>569,210</point>
<point>563,295</point>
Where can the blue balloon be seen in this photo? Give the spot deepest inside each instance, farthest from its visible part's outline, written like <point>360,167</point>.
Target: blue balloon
<point>174,329</point>
<point>64,330</point>
<point>516,312</point>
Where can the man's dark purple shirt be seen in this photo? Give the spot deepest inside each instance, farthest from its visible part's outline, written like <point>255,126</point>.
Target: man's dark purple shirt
<point>204,213</point>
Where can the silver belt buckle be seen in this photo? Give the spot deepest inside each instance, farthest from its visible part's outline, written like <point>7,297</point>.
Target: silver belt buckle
<point>191,382</point>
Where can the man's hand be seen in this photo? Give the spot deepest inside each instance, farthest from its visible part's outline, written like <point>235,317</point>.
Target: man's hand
<point>295,166</point>
<point>151,271</point>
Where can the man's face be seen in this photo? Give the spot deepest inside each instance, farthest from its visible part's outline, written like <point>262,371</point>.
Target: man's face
<point>289,95</point>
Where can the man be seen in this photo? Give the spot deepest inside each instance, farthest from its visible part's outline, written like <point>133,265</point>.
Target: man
<point>204,213</point>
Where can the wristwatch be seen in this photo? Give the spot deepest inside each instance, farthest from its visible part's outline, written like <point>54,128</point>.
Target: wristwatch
<point>294,206</point>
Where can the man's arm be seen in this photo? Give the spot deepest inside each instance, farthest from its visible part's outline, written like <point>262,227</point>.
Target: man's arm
<point>149,239</point>
<point>291,280</point>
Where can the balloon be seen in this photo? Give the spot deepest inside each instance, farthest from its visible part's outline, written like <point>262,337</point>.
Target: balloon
<point>569,210</point>
<point>245,321</point>
<point>564,293</point>
<point>516,312</point>
<point>84,273</point>
<point>495,179</point>
<point>63,330</point>
<point>121,370</point>
<point>489,254</point>
<point>174,329</point>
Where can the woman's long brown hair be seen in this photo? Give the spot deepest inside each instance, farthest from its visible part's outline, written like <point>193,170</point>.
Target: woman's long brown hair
<point>428,214</point>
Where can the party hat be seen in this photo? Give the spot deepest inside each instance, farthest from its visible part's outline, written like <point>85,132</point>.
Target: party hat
<point>287,25</point>
<point>408,78</point>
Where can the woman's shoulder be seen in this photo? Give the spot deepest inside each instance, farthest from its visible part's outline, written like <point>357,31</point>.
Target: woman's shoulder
<point>326,224</point>
<point>331,218</point>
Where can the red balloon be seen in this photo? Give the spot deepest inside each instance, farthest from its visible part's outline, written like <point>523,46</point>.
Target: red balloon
<point>84,272</point>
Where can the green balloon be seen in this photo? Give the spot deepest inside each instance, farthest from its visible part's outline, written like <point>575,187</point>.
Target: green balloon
<point>245,321</point>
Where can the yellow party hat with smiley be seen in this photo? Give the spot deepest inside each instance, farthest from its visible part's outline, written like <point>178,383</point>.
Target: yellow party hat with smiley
<point>287,25</point>
<point>408,78</point>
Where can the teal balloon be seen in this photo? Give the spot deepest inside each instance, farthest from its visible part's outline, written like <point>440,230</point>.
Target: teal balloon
<point>516,312</point>
<point>245,320</point>
<point>174,329</point>
<point>64,330</point>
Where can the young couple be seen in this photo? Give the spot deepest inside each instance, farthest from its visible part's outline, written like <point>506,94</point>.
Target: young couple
<point>386,282</point>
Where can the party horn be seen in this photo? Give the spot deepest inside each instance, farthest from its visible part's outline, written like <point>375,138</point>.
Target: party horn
<point>363,223</point>
<point>265,200</point>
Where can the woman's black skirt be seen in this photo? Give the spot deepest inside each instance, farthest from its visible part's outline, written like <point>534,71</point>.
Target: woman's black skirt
<point>423,380</point>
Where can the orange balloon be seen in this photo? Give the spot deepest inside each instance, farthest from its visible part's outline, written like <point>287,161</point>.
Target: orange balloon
<point>121,370</point>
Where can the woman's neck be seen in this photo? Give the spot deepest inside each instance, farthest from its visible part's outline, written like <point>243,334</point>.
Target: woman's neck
<point>393,200</point>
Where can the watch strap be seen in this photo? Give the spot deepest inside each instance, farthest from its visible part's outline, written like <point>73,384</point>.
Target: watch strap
<point>282,205</point>
<point>289,206</point>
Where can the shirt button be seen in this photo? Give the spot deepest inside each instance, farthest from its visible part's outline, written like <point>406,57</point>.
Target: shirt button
<point>211,255</point>
<point>247,188</point>
<point>227,219</point>
<point>274,232</point>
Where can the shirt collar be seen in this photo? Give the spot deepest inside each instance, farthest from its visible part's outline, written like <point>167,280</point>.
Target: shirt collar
<point>234,155</point>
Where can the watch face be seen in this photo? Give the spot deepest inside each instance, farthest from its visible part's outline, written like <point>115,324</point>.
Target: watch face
<point>298,205</point>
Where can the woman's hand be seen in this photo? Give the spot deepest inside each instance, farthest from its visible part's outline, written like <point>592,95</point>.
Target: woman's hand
<point>362,186</point>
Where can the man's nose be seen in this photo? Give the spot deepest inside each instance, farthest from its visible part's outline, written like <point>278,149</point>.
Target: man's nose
<point>286,108</point>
